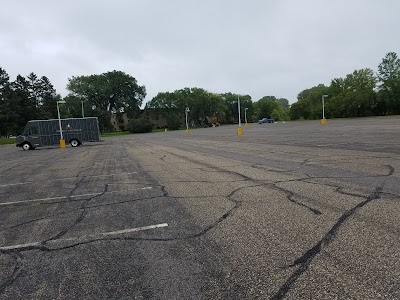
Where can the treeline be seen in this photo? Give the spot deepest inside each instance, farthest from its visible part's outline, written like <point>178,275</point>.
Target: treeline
<point>24,99</point>
<point>360,94</point>
<point>117,93</point>
<point>32,97</point>
<point>205,106</point>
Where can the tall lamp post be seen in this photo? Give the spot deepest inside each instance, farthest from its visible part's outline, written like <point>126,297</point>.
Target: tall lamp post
<point>187,121</point>
<point>62,141</point>
<point>83,111</point>
<point>245,117</point>
<point>323,121</point>
<point>239,131</point>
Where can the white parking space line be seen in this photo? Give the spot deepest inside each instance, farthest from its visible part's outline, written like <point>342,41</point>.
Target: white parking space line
<point>86,237</point>
<point>13,247</point>
<point>67,178</point>
<point>112,233</point>
<point>13,184</point>
<point>66,197</point>
<point>50,199</point>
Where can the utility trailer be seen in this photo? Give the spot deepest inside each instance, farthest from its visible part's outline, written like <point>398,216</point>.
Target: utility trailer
<point>38,133</point>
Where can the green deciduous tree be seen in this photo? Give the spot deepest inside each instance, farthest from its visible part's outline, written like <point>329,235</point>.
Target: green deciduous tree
<point>309,105</point>
<point>389,83</point>
<point>353,96</point>
<point>107,93</point>
<point>271,107</point>
<point>230,102</point>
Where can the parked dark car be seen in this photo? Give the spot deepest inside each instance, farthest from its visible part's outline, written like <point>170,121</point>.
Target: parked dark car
<point>215,124</point>
<point>266,120</point>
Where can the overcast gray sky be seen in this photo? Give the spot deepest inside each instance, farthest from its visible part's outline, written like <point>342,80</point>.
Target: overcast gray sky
<point>250,47</point>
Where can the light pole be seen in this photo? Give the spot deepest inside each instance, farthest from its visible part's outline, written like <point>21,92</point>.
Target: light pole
<point>245,117</point>
<point>240,131</point>
<point>187,122</point>
<point>62,141</point>
<point>323,121</point>
<point>83,111</point>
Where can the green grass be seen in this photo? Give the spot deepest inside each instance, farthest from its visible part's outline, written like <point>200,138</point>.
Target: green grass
<point>158,130</point>
<point>7,141</point>
<point>370,117</point>
<point>180,128</point>
<point>116,133</point>
<point>163,129</point>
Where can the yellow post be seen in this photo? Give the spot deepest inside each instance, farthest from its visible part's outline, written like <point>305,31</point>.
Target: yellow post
<point>245,124</point>
<point>323,121</point>
<point>187,131</point>
<point>165,130</point>
<point>240,131</point>
<point>62,144</point>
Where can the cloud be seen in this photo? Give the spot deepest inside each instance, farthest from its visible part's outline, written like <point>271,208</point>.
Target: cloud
<point>250,47</point>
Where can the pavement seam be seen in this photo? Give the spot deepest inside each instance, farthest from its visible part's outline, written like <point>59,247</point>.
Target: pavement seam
<point>16,271</point>
<point>305,260</point>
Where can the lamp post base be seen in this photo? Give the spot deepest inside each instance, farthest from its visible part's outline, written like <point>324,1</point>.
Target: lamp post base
<point>323,121</point>
<point>187,131</point>
<point>240,131</point>
<point>62,144</point>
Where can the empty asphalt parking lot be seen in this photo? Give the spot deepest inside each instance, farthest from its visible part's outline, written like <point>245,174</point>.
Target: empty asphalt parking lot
<point>287,211</point>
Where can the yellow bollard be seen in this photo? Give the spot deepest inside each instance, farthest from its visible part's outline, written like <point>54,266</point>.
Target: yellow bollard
<point>246,125</point>
<point>187,131</point>
<point>323,121</point>
<point>165,130</point>
<point>240,131</point>
<point>62,144</point>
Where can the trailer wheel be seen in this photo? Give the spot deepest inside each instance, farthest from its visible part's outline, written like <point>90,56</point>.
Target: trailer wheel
<point>74,143</point>
<point>26,146</point>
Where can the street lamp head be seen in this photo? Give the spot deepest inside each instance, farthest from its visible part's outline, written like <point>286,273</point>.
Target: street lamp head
<point>324,96</point>
<point>61,102</point>
<point>246,108</point>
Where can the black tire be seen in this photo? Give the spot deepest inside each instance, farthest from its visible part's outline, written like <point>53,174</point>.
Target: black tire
<point>26,146</point>
<point>74,143</point>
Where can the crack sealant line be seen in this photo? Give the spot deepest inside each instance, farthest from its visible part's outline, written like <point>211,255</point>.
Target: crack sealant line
<point>305,260</point>
<point>110,236</point>
<point>15,274</point>
<point>77,209</point>
<point>67,178</point>
<point>288,193</point>
<point>391,169</point>
<point>67,197</point>
<point>76,222</point>
<point>39,245</point>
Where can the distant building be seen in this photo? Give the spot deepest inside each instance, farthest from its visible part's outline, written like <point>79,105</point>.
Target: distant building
<point>120,122</point>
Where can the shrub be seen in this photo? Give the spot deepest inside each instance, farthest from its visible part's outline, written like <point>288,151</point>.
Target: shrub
<point>140,126</point>
<point>173,122</point>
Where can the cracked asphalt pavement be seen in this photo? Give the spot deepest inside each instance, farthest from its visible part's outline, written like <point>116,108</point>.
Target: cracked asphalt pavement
<point>287,211</point>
